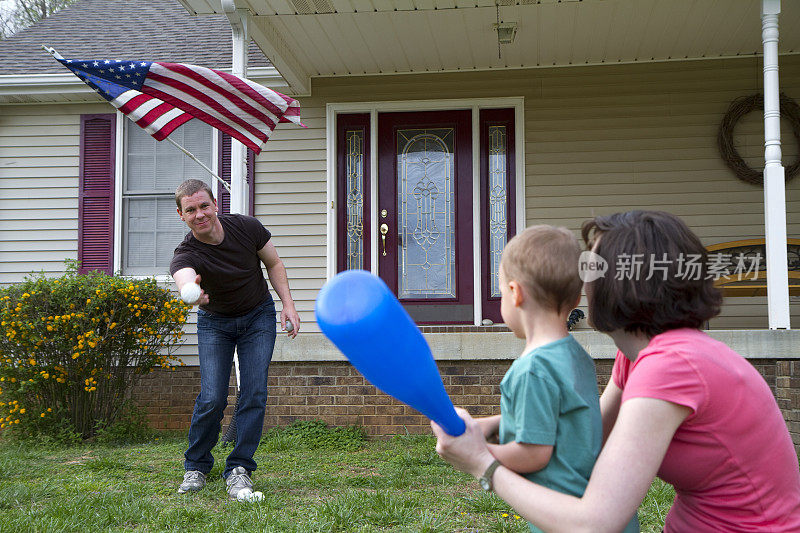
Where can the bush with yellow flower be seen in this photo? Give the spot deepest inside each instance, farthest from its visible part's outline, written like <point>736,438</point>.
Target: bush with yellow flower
<point>72,346</point>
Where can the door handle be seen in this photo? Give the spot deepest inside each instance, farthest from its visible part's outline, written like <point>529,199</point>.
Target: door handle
<point>384,230</point>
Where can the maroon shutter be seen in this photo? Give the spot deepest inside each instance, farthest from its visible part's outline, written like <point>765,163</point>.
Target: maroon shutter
<point>251,182</point>
<point>96,193</point>
<point>224,198</point>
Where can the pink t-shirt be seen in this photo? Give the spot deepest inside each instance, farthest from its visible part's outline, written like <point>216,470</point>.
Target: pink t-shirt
<point>732,461</point>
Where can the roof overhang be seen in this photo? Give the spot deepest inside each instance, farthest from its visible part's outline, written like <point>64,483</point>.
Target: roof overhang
<point>306,39</point>
<point>67,88</point>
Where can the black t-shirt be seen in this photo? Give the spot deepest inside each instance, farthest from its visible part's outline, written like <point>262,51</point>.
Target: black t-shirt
<point>230,272</point>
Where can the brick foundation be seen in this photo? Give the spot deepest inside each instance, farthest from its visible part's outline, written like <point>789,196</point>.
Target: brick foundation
<point>336,393</point>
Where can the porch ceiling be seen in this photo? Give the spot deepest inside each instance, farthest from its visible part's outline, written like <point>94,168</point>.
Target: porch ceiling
<point>308,38</point>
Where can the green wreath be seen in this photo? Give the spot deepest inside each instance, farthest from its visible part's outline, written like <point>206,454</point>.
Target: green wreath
<point>739,108</point>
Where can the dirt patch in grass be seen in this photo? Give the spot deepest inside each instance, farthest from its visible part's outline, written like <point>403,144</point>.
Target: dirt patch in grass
<point>78,460</point>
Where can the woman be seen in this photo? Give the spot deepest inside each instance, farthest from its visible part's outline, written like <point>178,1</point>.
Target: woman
<point>680,405</point>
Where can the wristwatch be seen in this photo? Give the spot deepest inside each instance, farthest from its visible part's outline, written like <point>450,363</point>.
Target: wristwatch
<point>486,479</point>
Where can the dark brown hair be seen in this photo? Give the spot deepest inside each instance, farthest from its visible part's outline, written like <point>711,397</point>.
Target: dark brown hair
<point>544,260</point>
<point>670,299</point>
<point>190,187</point>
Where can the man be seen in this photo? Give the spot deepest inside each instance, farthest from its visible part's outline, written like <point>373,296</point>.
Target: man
<point>223,254</point>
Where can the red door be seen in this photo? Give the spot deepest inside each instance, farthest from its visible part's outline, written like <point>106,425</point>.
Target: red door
<point>425,213</point>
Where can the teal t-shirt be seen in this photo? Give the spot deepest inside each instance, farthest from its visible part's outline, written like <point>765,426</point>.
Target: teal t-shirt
<point>549,396</point>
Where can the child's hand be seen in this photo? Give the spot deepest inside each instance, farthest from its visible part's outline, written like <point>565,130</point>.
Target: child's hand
<point>490,426</point>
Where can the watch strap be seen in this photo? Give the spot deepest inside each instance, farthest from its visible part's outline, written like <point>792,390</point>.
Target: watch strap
<point>486,478</point>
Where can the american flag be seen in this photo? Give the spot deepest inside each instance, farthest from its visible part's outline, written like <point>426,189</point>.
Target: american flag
<point>159,97</point>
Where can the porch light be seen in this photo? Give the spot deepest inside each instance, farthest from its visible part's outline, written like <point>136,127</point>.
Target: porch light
<point>506,31</point>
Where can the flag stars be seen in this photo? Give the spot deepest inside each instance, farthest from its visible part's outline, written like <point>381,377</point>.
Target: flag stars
<point>95,64</point>
<point>85,65</point>
<point>106,62</point>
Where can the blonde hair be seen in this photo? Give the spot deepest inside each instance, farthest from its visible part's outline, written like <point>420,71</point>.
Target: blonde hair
<point>544,260</point>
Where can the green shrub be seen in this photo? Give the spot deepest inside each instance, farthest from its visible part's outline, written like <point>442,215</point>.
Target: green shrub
<point>70,348</point>
<point>312,435</point>
<point>130,427</point>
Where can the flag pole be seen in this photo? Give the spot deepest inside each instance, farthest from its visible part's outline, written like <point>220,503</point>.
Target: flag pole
<point>192,156</point>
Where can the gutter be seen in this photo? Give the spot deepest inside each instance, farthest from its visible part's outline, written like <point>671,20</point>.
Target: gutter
<point>59,85</point>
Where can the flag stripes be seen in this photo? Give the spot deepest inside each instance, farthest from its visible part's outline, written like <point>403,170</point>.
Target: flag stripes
<point>160,97</point>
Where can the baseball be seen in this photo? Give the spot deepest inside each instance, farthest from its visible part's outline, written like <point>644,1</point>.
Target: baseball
<point>247,495</point>
<point>289,325</point>
<point>190,293</point>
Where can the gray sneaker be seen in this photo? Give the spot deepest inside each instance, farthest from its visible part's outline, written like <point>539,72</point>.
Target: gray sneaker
<point>238,479</point>
<point>193,480</point>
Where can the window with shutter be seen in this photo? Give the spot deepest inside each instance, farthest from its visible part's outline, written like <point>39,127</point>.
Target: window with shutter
<point>151,171</point>
<point>96,193</point>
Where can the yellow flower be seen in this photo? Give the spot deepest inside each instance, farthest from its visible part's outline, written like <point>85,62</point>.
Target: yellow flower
<point>32,361</point>
<point>49,409</point>
<point>41,415</point>
<point>504,515</point>
<point>22,411</point>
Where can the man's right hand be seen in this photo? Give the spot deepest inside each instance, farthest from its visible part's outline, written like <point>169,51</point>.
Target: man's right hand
<point>188,275</point>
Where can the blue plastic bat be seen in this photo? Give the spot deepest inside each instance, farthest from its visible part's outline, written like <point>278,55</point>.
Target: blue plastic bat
<point>361,316</point>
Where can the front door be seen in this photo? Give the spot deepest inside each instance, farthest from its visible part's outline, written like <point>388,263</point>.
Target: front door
<point>425,213</point>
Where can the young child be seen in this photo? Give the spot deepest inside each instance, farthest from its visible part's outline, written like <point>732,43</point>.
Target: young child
<point>549,428</point>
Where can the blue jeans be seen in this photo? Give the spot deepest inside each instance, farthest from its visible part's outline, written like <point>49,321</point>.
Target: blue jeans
<point>253,335</point>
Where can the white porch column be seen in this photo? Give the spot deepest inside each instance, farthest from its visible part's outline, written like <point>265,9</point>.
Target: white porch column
<point>774,182</point>
<point>239,187</point>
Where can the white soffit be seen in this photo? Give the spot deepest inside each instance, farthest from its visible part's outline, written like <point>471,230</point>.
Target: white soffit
<point>548,34</point>
<point>354,37</point>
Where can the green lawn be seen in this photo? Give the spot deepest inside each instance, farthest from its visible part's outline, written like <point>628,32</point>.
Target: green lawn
<point>328,481</point>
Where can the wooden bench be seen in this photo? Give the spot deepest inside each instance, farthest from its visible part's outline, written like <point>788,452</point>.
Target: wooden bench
<point>753,283</point>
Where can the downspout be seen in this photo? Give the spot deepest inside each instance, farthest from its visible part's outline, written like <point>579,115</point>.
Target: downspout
<point>239,187</point>
<point>774,181</point>
<point>239,190</point>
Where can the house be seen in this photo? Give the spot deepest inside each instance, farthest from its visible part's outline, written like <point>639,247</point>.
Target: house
<point>522,112</point>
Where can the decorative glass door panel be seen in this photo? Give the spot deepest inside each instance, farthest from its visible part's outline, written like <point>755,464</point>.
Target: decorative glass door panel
<point>498,201</point>
<point>426,208</point>
<point>425,213</point>
<point>353,191</point>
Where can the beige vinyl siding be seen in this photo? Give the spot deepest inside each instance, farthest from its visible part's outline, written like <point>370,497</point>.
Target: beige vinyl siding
<point>290,195</point>
<point>39,152</point>
<point>597,140</point>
